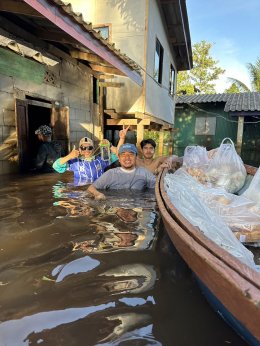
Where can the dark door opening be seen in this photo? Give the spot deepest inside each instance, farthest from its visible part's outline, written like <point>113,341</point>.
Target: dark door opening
<point>30,114</point>
<point>37,116</point>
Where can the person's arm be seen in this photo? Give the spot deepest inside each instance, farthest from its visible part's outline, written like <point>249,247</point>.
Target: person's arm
<point>97,195</point>
<point>60,165</point>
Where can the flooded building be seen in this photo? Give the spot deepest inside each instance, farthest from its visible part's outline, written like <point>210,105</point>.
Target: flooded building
<point>156,35</point>
<point>50,65</point>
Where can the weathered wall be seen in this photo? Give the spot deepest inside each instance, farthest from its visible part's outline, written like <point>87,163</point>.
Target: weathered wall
<point>72,88</point>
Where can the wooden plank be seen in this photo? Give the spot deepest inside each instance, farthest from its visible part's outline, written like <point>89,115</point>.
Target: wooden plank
<point>106,69</point>
<point>121,122</point>
<point>88,57</point>
<point>106,76</point>
<point>110,84</point>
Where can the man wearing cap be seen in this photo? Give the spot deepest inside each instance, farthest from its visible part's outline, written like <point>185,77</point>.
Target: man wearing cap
<point>82,162</point>
<point>128,176</point>
<point>49,150</point>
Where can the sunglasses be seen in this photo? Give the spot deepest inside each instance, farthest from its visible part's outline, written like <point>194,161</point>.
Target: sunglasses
<point>86,148</point>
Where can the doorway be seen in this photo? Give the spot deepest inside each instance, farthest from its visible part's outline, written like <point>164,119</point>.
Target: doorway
<point>30,114</point>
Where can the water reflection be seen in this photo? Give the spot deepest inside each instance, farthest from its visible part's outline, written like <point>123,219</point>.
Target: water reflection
<point>74,271</point>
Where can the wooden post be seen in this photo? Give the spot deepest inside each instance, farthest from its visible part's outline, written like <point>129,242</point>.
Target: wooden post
<point>139,135</point>
<point>160,150</point>
<point>240,130</point>
<point>101,112</point>
<point>170,147</point>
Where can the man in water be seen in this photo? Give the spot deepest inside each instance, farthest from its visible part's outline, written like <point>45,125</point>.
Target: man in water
<point>128,176</point>
<point>49,151</point>
<point>154,165</point>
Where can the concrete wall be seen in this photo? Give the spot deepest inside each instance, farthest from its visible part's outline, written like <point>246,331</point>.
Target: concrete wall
<point>126,20</point>
<point>73,88</point>
<point>157,100</point>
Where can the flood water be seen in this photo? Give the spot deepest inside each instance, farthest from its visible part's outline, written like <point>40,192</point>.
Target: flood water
<point>74,271</point>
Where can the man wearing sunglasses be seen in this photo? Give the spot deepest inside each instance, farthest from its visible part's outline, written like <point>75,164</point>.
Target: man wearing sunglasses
<point>82,162</point>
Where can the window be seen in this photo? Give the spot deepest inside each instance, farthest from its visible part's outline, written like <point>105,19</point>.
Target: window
<point>172,80</point>
<point>104,31</point>
<point>205,126</point>
<point>158,62</point>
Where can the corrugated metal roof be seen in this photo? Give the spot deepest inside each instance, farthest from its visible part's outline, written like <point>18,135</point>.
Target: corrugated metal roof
<point>24,50</point>
<point>246,102</point>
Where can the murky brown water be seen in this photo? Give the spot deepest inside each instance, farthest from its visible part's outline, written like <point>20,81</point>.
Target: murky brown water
<point>78,272</point>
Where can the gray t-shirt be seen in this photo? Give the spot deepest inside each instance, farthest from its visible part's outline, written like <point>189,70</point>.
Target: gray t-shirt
<point>118,178</point>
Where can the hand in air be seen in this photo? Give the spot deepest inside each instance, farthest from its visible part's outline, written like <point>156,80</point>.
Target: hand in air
<point>123,132</point>
<point>74,153</point>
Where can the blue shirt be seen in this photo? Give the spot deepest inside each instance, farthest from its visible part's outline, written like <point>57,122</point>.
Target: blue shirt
<point>85,172</point>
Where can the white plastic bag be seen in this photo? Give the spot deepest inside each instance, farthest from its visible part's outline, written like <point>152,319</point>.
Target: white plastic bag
<point>184,193</point>
<point>195,156</point>
<point>226,169</point>
<point>253,191</point>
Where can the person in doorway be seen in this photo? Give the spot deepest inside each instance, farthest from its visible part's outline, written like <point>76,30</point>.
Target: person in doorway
<point>49,151</point>
<point>154,165</point>
<point>82,162</point>
<point>128,176</point>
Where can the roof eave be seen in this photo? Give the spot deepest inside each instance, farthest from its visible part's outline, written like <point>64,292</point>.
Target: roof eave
<point>76,31</point>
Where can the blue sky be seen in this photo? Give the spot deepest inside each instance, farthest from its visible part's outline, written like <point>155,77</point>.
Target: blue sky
<point>233,27</point>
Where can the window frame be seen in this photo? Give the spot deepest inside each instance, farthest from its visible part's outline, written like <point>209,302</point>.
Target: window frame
<point>172,80</point>
<point>158,56</point>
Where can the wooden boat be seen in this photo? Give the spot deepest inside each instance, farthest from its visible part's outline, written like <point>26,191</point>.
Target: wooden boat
<point>231,287</point>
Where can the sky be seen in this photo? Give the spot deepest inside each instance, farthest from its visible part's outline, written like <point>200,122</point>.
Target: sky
<point>233,27</point>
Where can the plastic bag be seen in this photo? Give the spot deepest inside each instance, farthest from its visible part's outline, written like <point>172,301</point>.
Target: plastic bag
<point>253,191</point>
<point>195,157</point>
<point>188,197</point>
<point>226,169</point>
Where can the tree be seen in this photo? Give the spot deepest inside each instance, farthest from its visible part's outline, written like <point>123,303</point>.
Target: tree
<point>254,75</point>
<point>233,89</point>
<point>203,74</point>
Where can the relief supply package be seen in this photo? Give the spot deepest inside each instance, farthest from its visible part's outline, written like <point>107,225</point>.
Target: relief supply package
<point>226,169</point>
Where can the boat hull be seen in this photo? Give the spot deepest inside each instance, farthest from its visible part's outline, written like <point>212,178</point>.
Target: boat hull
<point>231,286</point>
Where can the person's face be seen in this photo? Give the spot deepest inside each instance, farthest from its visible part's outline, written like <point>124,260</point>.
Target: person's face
<point>86,150</point>
<point>148,151</point>
<point>127,160</point>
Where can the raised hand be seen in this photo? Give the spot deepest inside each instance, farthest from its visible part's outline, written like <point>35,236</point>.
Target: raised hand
<point>123,132</point>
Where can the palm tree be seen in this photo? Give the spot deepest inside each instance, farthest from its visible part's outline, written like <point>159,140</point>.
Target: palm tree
<point>254,74</point>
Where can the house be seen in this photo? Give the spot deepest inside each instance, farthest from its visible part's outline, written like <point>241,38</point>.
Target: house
<point>43,79</point>
<point>207,119</point>
<point>155,34</point>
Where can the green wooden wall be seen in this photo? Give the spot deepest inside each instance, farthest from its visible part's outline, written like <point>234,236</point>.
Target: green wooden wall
<point>226,126</point>
<point>15,65</point>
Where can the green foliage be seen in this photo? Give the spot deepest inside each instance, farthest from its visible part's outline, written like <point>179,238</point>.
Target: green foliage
<point>233,89</point>
<point>254,75</point>
<point>203,74</point>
